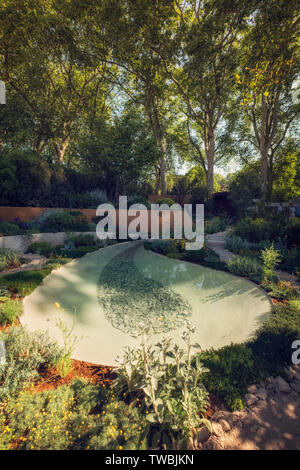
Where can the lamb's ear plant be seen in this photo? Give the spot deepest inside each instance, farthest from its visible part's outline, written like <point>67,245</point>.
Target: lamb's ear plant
<point>168,382</point>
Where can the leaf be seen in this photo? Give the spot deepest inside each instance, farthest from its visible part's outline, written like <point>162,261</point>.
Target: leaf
<point>151,418</point>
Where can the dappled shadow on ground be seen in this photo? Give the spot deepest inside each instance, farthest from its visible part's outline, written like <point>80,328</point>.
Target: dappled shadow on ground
<point>272,424</point>
<point>234,286</point>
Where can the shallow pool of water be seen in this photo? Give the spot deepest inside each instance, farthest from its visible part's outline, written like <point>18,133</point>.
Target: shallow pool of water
<point>107,294</point>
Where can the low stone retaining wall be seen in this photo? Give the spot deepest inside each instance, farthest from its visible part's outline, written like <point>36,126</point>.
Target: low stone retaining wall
<point>21,242</point>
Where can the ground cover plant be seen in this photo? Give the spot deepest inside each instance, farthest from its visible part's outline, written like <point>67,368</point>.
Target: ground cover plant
<point>215,225</point>
<point>10,310</point>
<point>9,259</point>
<point>176,249</point>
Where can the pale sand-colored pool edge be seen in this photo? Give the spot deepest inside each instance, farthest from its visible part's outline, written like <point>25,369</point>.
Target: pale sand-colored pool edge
<point>108,344</point>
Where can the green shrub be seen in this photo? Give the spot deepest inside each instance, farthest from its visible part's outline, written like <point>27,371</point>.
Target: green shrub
<point>7,228</point>
<point>292,233</point>
<point>165,200</point>
<point>253,230</point>
<point>216,225</point>
<point>25,353</point>
<point>231,370</point>
<point>65,221</point>
<point>57,261</point>
<point>9,259</point>
<point>83,240</point>
<point>273,339</point>
<point>10,310</point>
<point>78,252</point>
<point>77,416</point>
<point>41,248</point>
<point>271,258</point>
<point>23,283</point>
<point>281,290</point>
<point>245,266</point>
<point>273,229</point>
<point>239,246</point>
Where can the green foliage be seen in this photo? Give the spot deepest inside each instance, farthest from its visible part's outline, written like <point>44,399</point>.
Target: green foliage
<point>245,266</point>
<point>121,427</point>
<point>83,240</point>
<point>41,248</point>
<point>23,178</point>
<point>10,310</point>
<point>174,397</point>
<point>273,339</point>
<point>280,290</point>
<point>9,229</point>
<point>25,353</point>
<point>176,249</point>
<point>60,419</point>
<point>273,229</point>
<point>217,224</point>
<point>9,259</point>
<point>65,221</point>
<point>77,252</point>
<point>64,362</point>
<point>23,283</point>
<point>231,370</point>
<point>271,258</point>
<point>165,200</point>
<point>244,186</point>
<point>238,246</point>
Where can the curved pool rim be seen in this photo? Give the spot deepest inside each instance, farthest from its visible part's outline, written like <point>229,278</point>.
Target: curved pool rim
<point>109,342</point>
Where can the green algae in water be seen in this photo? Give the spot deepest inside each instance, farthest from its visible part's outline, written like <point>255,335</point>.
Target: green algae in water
<point>129,299</point>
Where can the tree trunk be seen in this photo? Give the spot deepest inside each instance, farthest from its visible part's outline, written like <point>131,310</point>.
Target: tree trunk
<point>264,172</point>
<point>163,175</point>
<point>157,179</point>
<point>210,158</point>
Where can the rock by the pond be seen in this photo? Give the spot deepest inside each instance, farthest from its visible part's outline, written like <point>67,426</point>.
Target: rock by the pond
<point>203,434</point>
<point>225,425</point>
<point>296,386</point>
<point>250,399</point>
<point>217,429</point>
<point>252,389</point>
<point>282,385</point>
<point>261,393</point>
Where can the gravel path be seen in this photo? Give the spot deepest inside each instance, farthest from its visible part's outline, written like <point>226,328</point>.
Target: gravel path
<point>217,243</point>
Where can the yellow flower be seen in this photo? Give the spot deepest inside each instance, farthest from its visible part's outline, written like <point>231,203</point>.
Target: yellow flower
<point>57,305</point>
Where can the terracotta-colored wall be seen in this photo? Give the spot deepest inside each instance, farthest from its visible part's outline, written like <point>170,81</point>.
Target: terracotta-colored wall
<point>26,214</point>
